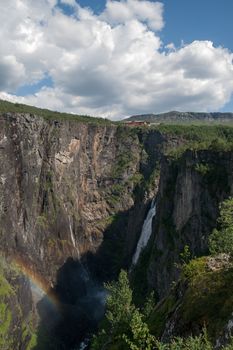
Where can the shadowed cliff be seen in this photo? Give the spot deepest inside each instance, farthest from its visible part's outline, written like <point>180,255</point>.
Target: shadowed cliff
<point>74,192</point>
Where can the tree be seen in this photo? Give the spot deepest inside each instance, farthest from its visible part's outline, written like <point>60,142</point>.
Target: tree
<point>124,326</point>
<point>221,240</point>
<point>185,256</point>
<point>139,337</point>
<point>149,306</point>
<point>119,307</point>
<point>119,310</point>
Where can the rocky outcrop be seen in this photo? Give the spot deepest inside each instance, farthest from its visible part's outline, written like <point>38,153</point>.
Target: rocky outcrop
<point>196,302</point>
<point>190,191</point>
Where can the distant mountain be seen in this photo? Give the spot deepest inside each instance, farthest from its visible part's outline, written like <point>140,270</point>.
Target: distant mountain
<point>180,117</point>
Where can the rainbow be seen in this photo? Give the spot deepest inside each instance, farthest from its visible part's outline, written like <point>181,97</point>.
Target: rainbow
<point>37,281</point>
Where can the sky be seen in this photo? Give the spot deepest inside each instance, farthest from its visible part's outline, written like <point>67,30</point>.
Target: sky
<point>117,58</point>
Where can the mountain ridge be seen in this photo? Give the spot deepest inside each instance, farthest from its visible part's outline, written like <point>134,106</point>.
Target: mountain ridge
<point>176,116</point>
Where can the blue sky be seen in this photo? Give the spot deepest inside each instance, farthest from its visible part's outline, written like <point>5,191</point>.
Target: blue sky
<point>199,20</point>
<point>113,60</point>
<point>96,5</point>
<point>191,20</point>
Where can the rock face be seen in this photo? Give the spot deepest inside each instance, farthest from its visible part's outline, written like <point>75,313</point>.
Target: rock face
<point>190,191</point>
<point>70,190</point>
<point>74,196</point>
<point>58,188</point>
<point>197,301</point>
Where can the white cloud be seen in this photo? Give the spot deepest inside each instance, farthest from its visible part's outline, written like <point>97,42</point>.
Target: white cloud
<point>170,46</point>
<point>122,11</point>
<point>12,72</point>
<point>69,2</point>
<point>113,64</point>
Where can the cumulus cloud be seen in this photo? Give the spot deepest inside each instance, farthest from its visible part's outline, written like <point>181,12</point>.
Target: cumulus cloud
<point>12,72</point>
<point>112,64</point>
<point>121,11</point>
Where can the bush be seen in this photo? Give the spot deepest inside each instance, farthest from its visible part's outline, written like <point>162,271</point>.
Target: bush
<point>202,169</point>
<point>221,240</point>
<point>200,342</point>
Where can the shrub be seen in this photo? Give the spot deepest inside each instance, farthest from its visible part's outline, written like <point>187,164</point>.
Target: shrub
<point>202,169</point>
<point>221,240</point>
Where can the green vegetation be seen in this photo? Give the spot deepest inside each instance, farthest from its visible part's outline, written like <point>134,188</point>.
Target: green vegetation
<point>199,133</point>
<point>8,107</point>
<point>208,299</point>
<point>28,333</point>
<point>33,342</point>
<point>5,288</point>
<point>207,285</point>
<point>42,221</point>
<point>200,342</point>
<point>221,240</point>
<point>157,319</point>
<point>11,324</point>
<point>154,175</point>
<point>124,171</point>
<point>5,322</point>
<point>139,275</point>
<point>124,157</point>
<point>6,292</point>
<point>126,327</point>
<point>203,169</point>
<point>185,255</point>
<point>198,137</point>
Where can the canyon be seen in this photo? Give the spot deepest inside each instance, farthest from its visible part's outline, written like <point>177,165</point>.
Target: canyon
<point>74,201</point>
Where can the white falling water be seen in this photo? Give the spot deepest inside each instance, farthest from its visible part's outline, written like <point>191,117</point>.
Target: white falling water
<point>71,232</point>
<point>72,237</point>
<point>145,233</point>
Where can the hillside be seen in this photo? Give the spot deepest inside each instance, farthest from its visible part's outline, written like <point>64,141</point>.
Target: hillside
<point>9,107</point>
<point>184,117</point>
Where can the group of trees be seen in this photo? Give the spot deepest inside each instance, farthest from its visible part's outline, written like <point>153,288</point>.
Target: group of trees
<point>125,326</point>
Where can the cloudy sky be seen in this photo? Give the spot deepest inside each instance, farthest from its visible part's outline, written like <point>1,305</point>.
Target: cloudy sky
<point>117,58</point>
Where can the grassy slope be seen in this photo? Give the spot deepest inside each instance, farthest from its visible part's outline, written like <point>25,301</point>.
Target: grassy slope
<point>7,107</point>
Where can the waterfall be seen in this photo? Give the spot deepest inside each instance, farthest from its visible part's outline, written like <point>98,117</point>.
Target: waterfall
<point>72,237</point>
<point>145,233</point>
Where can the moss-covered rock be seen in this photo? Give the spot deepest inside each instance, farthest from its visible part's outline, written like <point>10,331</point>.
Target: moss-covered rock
<point>202,298</point>
<point>17,328</point>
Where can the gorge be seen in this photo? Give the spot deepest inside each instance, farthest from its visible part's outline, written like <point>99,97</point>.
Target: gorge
<point>83,199</point>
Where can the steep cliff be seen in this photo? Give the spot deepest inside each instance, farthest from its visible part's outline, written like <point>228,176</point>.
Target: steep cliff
<point>74,194</point>
<point>70,190</point>
<point>63,183</point>
<point>191,188</point>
